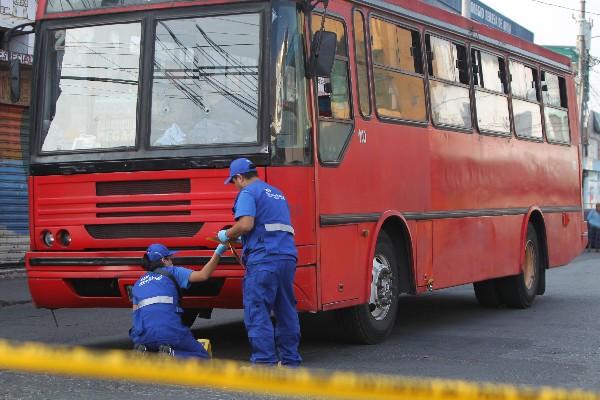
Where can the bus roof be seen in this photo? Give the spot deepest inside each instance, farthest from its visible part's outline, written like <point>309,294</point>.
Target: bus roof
<point>418,11</point>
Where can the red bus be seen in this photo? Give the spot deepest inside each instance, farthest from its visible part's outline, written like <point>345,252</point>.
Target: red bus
<point>439,151</point>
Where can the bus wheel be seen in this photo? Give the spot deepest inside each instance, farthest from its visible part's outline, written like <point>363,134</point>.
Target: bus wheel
<point>518,291</point>
<point>487,294</point>
<point>372,322</point>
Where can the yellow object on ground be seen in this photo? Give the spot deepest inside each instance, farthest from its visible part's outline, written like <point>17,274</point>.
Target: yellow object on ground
<point>206,344</point>
<point>246,378</point>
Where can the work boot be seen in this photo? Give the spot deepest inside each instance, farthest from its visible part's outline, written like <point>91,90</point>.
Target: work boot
<point>140,348</point>
<point>167,350</point>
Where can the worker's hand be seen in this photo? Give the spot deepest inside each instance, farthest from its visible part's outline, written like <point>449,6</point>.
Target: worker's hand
<point>221,248</point>
<point>236,240</point>
<point>222,235</point>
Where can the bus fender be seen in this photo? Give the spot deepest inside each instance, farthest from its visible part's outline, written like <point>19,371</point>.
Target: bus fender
<point>536,216</point>
<point>529,217</point>
<point>386,216</point>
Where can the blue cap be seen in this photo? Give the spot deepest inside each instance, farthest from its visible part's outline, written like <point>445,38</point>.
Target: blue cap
<point>157,251</point>
<point>240,166</point>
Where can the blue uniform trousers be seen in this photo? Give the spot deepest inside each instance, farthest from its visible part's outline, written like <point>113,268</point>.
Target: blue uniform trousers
<point>159,324</point>
<point>185,346</point>
<point>268,287</point>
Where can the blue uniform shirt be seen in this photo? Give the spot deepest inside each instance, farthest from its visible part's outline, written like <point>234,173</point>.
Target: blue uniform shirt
<point>272,237</point>
<point>160,322</point>
<point>593,218</point>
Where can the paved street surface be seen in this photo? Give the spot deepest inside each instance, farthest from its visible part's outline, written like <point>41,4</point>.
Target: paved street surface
<point>444,334</point>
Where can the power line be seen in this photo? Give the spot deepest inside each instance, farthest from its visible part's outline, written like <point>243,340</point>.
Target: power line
<point>563,7</point>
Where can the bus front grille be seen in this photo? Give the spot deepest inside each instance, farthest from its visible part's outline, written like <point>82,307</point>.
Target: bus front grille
<point>162,186</point>
<point>141,230</point>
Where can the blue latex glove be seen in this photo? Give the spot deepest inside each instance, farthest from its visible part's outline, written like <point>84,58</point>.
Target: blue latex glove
<point>222,235</point>
<point>221,248</point>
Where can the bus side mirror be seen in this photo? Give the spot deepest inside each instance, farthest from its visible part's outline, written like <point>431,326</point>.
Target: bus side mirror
<point>15,80</point>
<point>322,53</point>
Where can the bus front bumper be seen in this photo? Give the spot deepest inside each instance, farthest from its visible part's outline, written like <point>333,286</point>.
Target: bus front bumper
<point>83,280</point>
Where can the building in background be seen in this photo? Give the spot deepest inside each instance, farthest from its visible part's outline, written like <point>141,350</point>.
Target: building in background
<point>14,138</point>
<point>591,162</point>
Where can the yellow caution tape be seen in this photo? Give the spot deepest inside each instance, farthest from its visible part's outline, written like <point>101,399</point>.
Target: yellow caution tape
<point>234,376</point>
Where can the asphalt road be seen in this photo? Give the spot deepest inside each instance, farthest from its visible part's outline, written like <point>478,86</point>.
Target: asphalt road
<point>443,334</point>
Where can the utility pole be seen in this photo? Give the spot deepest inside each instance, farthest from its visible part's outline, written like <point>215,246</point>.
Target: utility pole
<point>582,72</point>
<point>466,8</point>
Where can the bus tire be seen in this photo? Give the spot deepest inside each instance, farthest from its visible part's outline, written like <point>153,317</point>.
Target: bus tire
<point>372,322</point>
<point>519,291</point>
<point>487,294</point>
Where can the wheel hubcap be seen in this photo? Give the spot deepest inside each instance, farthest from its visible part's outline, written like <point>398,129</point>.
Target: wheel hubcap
<point>529,265</point>
<point>380,301</point>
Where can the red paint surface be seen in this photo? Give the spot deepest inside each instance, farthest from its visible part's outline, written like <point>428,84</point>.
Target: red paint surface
<point>400,169</point>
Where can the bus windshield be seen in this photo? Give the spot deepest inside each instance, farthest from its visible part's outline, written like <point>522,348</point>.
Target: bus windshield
<point>204,85</point>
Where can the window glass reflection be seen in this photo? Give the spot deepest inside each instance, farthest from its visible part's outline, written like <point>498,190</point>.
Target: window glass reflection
<point>395,47</point>
<point>528,119</point>
<point>447,60</point>
<point>450,104</point>
<point>523,81</point>
<point>489,71</point>
<point>551,89</point>
<point>91,88</point>
<point>557,125</point>
<point>360,47</point>
<point>492,112</point>
<point>290,122</point>
<point>399,96</point>
<point>206,80</point>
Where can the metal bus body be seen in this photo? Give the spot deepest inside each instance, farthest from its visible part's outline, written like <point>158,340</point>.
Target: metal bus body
<point>389,191</point>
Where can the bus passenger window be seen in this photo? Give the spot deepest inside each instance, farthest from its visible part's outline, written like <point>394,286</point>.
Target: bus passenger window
<point>556,116</point>
<point>397,72</point>
<point>335,116</point>
<point>491,100</point>
<point>360,47</point>
<point>527,114</point>
<point>448,82</point>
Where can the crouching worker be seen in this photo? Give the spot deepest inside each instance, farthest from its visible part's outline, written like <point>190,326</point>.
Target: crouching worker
<point>156,296</point>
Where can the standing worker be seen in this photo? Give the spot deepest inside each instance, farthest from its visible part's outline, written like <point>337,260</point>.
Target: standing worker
<point>156,297</point>
<point>269,254</point>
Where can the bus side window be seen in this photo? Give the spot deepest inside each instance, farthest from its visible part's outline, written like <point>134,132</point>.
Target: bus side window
<point>448,82</point>
<point>362,75</point>
<point>491,100</point>
<point>397,71</point>
<point>527,114</point>
<point>335,115</point>
<point>556,114</point>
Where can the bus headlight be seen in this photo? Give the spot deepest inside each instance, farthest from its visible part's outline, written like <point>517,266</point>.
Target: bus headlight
<point>48,238</point>
<point>64,238</point>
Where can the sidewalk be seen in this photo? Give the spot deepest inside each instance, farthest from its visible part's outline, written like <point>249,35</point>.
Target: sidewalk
<point>14,291</point>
